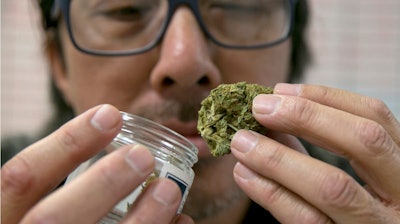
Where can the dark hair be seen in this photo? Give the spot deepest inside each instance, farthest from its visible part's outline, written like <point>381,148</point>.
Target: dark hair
<point>300,57</point>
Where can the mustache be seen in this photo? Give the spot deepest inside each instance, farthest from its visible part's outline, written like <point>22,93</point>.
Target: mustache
<point>169,109</point>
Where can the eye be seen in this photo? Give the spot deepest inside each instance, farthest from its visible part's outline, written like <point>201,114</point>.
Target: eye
<point>127,13</point>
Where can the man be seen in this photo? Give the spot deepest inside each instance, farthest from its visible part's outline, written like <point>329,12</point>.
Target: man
<point>159,59</point>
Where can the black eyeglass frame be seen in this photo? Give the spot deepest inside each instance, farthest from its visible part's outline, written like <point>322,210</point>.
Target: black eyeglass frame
<point>64,7</point>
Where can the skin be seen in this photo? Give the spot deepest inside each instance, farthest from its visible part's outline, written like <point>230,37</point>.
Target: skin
<point>194,68</point>
<point>167,84</point>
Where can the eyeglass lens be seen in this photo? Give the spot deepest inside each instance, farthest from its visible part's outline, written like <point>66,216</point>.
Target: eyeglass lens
<point>119,25</point>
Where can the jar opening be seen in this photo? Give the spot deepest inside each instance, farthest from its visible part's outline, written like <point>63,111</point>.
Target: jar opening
<point>161,140</point>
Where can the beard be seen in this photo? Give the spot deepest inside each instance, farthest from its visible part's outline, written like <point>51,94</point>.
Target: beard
<point>214,189</point>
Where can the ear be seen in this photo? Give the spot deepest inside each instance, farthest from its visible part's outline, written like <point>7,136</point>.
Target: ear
<point>58,69</point>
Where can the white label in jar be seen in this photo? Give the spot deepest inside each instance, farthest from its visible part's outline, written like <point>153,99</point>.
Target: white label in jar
<point>183,179</point>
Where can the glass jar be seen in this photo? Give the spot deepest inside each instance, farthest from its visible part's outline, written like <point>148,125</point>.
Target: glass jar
<point>174,156</point>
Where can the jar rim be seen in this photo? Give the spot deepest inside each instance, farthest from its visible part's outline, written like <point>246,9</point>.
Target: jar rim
<point>189,150</point>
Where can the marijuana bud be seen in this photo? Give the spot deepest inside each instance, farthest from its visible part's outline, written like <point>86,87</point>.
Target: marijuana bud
<point>225,111</point>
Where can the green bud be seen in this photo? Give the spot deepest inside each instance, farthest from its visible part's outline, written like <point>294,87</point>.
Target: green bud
<point>225,111</point>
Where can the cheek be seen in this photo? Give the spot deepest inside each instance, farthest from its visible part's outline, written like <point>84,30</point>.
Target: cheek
<point>266,66</point>
<point>97,80</point>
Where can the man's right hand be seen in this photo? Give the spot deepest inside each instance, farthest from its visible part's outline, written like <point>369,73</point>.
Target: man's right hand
<point>28,180</point>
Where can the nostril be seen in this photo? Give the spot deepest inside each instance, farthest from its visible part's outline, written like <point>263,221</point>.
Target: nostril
<point>167,81</point>
<point>203,81</point>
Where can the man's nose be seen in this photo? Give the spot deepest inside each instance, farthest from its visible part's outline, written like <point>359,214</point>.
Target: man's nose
<point>185,58</point>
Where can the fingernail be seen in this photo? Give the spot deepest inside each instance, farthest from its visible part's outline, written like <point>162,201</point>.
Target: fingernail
<point>166,192</point>
<point>288,89</point>
<point>265,103</point>
<point>105,118</point>
<point>243,172</point>
<point>140,159</point>
<point>244,141</point>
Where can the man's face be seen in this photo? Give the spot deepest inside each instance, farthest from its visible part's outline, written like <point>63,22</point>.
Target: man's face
<point>167,84</point>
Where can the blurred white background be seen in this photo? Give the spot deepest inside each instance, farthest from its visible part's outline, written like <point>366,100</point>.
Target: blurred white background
<point>356,46</point>
<point>24,95</point>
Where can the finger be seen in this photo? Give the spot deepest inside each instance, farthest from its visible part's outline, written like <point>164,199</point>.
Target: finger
<point>183,219</point>
<point>323,186</point>
<point>157,204</point>
<point>284,205</point>
<point>95,192</point>
<point>371,151</point>
<point>35,171</point>
<point>356,104</point>
<point>288,140</point>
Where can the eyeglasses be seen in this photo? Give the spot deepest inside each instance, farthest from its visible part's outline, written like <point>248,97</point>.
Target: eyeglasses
<point>126,27</point>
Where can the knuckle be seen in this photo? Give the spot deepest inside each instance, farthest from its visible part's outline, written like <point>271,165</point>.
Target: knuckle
<point>67,139</point>
<point>380,108</point>
<point>302,111</point>
<point>271,158</point>
<point>108,177</point>
<point>374,138</point>
<point>273,193</point>
<point>308,217</point>
<point>384,116</point>
<point>324,93</point>
<point>338,190</point>
<point>16,176</point>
